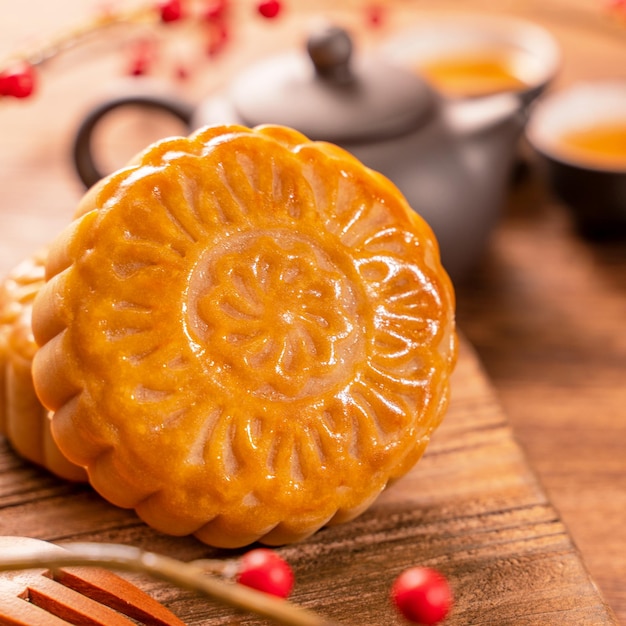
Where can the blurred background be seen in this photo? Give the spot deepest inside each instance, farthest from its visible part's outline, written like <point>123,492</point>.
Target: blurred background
<point>544,306</point>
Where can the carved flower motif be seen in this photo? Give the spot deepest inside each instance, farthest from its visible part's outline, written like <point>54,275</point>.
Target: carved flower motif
<point>285,314</point>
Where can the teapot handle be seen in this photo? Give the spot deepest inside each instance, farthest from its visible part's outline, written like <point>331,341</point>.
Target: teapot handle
<point>83,151</point>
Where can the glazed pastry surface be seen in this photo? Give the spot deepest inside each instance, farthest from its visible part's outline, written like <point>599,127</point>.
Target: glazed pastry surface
<point>23,420</point>
<point>245,335</point>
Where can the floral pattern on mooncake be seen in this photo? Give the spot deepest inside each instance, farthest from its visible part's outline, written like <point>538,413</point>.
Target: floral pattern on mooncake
<point>245,335</point>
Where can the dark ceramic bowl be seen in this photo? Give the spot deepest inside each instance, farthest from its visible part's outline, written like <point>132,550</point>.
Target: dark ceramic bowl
<point>592,186</point>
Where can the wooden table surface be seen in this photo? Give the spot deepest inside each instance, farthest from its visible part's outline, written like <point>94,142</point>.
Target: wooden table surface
<point>545,310</point>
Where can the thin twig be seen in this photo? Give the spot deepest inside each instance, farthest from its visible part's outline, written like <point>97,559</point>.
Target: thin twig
<point>74,37</point>
<point>184,575</point>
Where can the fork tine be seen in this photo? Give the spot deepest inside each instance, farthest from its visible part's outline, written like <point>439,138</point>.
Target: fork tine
<point>17,611</point>
<point>68,596</point>
<point>116,592</point>
<point>71,605</point>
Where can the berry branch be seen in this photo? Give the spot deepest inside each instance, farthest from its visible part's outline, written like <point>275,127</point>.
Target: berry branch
<point>258,582</point>
<point>19,73</point>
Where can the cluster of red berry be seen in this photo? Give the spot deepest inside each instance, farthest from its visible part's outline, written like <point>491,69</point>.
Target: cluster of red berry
<point>215,16</point>
<point>19,78</point>
<point>421,594</point>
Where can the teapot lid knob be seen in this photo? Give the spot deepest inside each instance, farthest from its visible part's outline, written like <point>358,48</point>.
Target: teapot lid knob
<point>330,50</point>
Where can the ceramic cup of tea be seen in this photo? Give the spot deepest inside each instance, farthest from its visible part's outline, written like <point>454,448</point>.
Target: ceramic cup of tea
<point>475,55</point>
<point>578,135</point>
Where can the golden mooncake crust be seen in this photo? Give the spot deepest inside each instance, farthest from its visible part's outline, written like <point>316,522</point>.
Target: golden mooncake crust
<point>245,335</point>
<point>23,420</point>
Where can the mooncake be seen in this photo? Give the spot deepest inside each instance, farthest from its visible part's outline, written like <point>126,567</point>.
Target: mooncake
<point>23,420</point>
<point>244,335</point>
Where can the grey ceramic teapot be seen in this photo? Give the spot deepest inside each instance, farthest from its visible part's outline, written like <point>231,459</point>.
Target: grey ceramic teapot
<point>451,159</point>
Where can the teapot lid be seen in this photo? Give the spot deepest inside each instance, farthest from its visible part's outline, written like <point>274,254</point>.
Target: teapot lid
<point>328,96</point>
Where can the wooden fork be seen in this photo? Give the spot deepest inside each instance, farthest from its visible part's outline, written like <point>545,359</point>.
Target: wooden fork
<point>72,595</point>
<point>42,584</point>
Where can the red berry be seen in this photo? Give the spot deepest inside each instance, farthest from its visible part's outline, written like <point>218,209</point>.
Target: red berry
<point>181,72</point>
<point>171,10</point>
<point>18,80</point>
<point>142,57</point>
<point>218,37</point>
<point>215,10</point>
<point>139,66</point>
<point>375,14</point>
<point>269,8</point>
<point>422,595</point>
<point>264,570</point>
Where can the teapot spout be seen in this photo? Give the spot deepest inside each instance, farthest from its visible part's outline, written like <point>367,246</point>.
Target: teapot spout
<point>487,133</point>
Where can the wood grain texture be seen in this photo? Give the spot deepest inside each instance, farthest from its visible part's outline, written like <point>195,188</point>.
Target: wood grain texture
<point>72,595</point>
<point>545,312</point>
<point>471,507</point>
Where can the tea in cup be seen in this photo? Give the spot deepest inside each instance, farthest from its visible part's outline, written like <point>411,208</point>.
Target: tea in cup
<point>481,73</point>
<point>600,145</point>
<point>473,55</point>
<point>579,137</point>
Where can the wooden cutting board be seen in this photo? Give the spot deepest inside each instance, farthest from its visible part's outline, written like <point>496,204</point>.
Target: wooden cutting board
<point>472,508</point>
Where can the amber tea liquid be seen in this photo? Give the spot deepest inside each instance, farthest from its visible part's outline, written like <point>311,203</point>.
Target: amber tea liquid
<point>600,145</point>
<point>473,74</point>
